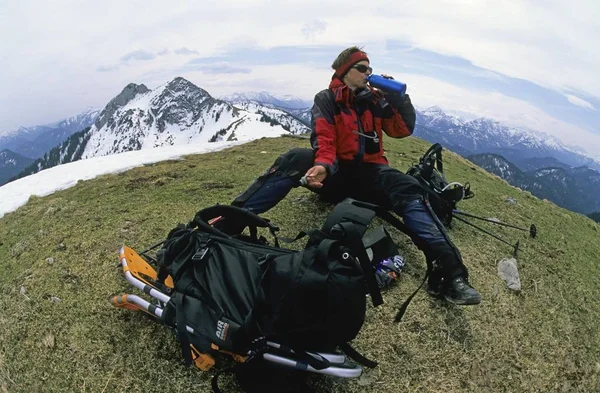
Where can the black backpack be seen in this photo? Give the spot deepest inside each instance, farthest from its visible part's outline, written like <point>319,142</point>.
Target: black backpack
<point>234,293</point>
<point>442,195</point>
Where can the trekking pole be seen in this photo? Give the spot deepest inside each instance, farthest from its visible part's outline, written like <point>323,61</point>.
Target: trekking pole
<point>532,229</point>
<point>514,246</point>
<point>152,247</point>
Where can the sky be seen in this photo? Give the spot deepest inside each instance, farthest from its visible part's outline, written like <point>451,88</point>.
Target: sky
<point>526,63</point>
<point>16,193</point>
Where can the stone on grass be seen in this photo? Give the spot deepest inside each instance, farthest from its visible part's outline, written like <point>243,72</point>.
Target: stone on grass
<point>508,271</point>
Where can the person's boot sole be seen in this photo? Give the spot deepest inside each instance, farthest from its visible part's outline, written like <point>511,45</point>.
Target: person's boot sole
<point>463,302</point>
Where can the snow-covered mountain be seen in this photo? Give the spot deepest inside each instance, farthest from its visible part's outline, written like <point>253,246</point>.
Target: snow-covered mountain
<point>304,114</point>
<point>77,122</point>
<point>179,112</point>
<point>175,113</point>
<point>499,166</point>
<point>33,142</point>
<point>11,164</point>
<point>576,189</point>
<point>526,159</point>
<point>488,136</point>
<point>24,133</point>
<point>264,98</point>
<point>525,148</point>
<point>286,118</point>
<point>293,105</point>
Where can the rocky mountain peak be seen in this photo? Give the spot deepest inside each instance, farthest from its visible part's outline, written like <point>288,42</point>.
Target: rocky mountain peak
<point>181,93</point>
<point>485,122</point>
<point>434,110</point>
<point>177,112</point>
<point>181,84</point>
<point>129,92</point>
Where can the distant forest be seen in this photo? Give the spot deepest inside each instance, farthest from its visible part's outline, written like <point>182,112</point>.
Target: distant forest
<point>595,216</point>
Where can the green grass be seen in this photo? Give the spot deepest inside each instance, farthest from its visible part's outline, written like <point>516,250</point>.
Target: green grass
<point>544,339</point>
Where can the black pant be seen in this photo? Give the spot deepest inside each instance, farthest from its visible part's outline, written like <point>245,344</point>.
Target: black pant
<point>374,183</point>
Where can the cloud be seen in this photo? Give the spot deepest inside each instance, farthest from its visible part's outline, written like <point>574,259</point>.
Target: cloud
<point>185,51</point>
<point>140,55</point>
<point>579,102</point>
<point>523,50</point>
<point>313,28</point>
<point>512,111</point>
<point>280,55</point>
<point>216,68</point>
<point>399,58</point>
<point>109,68</point>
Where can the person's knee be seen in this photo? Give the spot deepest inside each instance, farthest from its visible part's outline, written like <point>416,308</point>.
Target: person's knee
<point>401,189</point>
<point>294,163</point>
<point>286,171</point>
<point>421,221</point>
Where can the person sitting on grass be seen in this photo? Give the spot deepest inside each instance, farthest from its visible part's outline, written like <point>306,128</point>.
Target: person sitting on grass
<point>346,160</point>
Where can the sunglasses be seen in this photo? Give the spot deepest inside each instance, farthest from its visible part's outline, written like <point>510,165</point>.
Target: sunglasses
<point>362,68</point>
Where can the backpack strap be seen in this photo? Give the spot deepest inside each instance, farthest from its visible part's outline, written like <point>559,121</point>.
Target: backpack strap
<point>438,159</point>
<point>353,218</point>
<point>404,306</point>
<point>468,193</point>
<point>349,211</point>
<point>390,219</point>
<point>396,223</point>
<point>244,217</point>
<point>353,240</point>
<point>312,233</point>
<point>182,333</point>
<point>435,151</point>
<point>232,212</point>
<point>357,356</point>
<point>349,222</point>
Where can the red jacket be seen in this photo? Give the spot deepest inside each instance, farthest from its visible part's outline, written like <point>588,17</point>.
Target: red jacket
<point>336,134</point>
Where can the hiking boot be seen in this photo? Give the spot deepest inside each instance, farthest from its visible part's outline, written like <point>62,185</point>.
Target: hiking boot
<point>434,288</point>
<point>458,291</point>
<point>388,271</point>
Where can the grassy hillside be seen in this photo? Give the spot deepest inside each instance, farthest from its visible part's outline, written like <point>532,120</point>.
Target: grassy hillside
<point>59,266</point>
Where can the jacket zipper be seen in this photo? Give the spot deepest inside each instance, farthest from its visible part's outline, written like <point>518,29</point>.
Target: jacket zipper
<point>361,137</point>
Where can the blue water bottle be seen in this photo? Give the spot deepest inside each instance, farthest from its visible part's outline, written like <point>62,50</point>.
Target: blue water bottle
<point>387,85</point>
